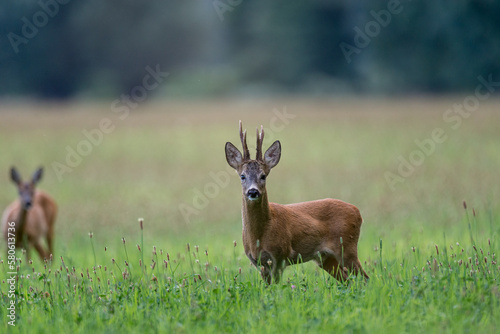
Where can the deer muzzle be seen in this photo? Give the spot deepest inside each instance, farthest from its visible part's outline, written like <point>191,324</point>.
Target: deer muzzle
<point>253,194</point>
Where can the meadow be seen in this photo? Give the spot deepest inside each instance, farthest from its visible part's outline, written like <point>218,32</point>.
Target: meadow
<point>425,179</point>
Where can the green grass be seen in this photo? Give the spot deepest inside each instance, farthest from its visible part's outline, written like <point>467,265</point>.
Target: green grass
<point>433,264</point>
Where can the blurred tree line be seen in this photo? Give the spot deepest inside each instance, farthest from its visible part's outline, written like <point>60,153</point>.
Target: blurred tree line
<point>100,49</point>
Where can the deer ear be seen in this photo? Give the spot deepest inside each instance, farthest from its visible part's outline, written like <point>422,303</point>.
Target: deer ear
<point>37,176</point>
<point>273,154</point>
<point>14,176</point>
<point>233,156</point>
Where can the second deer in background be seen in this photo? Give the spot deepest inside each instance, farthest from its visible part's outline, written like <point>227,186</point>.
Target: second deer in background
<point>275,235</point>
<point>30,218</point>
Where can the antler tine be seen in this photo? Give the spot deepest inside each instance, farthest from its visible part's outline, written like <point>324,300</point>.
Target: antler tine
<point>260,140</point>
<point>243,137</point>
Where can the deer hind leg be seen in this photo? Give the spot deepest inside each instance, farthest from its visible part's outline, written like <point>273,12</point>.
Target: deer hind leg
<point>40,250</point>
<point>27,250</point>
<point>331,266</point>
<point>353,264</point>
<point>50,239</point>
<point>51,217</point>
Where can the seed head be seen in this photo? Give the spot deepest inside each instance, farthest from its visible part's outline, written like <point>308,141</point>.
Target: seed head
<point>91,235</point>
<point>465,205</point>
<point>141,222</point>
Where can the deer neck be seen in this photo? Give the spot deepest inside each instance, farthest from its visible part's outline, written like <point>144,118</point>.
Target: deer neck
<point>256,217</point>
<point>21,220</point>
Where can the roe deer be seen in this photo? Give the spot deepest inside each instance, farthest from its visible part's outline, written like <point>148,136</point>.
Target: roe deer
<point>275,235</point>
<point>31,217</point>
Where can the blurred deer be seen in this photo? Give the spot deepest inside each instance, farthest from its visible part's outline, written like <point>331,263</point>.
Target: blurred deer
<point>274,235</point>
<point>31,217</point>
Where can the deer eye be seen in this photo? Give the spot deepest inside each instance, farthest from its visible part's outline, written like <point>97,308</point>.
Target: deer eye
<point>243,177</point>
<point>263,177</point>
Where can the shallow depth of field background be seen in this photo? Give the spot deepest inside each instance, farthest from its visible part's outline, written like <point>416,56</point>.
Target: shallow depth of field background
<point>355,94</point>
<point>160,162</point>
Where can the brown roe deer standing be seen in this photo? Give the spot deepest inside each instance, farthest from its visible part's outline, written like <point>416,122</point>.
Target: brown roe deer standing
<point>33,214</point>
<point>274,235</point>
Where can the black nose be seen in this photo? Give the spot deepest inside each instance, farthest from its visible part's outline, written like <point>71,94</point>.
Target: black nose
<point>27,204</point>
<point>253,194</point>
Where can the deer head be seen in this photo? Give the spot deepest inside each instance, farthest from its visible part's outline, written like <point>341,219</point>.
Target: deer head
<point>253,173</point>
<point>26,189</point>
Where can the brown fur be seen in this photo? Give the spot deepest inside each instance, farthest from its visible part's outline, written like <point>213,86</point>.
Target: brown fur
<point>275,235</point>
<point>34,224</point>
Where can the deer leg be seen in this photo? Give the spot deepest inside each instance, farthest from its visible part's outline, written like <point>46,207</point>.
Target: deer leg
<point>27,250</point>
<point>269,269</point>
<point>266,274</point>
<point>353,264</point>
<point>50,236</point>
<point>40,250</point>
<point>331,266</point>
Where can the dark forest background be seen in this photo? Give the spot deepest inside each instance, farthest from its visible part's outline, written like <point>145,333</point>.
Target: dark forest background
<point>100,49</point>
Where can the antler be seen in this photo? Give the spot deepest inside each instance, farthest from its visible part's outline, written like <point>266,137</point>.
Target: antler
<point>260,139</point>
<point>243,137</point>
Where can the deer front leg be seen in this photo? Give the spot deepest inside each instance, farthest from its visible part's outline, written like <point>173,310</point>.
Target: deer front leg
<point>269,268</point>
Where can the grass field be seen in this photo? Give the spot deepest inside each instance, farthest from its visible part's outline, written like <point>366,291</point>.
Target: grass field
<point>407,164</point>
